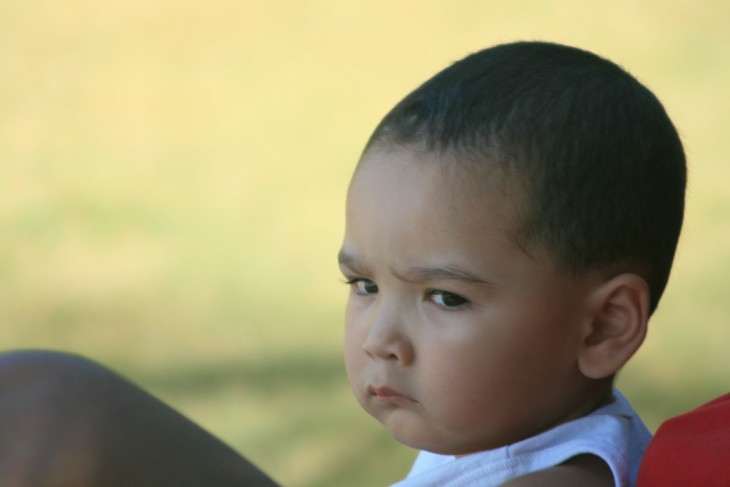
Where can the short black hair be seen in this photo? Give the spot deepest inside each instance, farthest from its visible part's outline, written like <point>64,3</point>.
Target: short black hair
<point>601,166</point>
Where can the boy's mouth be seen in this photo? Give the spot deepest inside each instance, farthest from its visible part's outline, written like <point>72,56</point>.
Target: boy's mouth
<point>387,395</point>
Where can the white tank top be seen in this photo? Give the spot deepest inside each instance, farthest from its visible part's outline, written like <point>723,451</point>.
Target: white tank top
<point>613,432</point>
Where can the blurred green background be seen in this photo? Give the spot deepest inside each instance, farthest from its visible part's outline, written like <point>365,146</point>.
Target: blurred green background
<point>172,177</point>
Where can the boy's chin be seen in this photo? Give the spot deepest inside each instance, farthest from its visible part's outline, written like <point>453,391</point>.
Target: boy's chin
<point>410,432</point>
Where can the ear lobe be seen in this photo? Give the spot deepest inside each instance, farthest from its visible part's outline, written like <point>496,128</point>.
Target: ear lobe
<point>618,326</point>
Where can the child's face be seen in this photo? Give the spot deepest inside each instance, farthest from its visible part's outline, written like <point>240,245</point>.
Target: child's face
<point>456,340</point>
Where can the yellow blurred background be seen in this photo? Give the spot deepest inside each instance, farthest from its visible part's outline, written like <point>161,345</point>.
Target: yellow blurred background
<point>172,177</point>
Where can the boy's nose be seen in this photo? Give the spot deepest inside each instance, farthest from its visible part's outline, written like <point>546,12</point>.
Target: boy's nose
<point>388,338</point>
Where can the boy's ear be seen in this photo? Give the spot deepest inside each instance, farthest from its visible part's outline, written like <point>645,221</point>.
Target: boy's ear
<point>618,325</point>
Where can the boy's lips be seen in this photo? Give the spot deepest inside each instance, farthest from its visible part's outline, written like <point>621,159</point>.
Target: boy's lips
<point>388,395</point>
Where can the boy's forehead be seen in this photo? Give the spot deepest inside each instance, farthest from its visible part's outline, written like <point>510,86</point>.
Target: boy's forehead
<point>468,180</point>
<point>473,195</point>
<point>406,212</point>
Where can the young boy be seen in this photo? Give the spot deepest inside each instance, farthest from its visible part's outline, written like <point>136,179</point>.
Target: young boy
<point>510,228</point>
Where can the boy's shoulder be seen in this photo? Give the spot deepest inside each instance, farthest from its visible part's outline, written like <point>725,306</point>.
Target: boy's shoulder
<point>584,470</point>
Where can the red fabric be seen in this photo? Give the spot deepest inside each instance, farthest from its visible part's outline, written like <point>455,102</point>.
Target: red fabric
<point>690,450</point>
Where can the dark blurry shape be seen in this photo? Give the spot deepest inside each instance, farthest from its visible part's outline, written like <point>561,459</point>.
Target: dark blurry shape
<point>68,422</point>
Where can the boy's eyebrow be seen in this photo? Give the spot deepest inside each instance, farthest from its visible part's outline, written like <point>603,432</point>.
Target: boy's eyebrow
<point>419,273</point>
<point>350,261</point>
<point>436,272</point>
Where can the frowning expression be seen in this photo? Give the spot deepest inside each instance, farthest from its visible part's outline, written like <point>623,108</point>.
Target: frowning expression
<point>456,339</point>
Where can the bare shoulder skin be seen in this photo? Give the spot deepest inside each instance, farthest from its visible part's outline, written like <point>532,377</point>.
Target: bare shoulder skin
<point>584,470</point>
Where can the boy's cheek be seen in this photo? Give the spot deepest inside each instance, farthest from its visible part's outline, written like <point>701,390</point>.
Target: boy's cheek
<point>354,354</point>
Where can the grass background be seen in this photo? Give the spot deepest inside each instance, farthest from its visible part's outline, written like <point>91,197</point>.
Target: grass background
<point>172,177</point>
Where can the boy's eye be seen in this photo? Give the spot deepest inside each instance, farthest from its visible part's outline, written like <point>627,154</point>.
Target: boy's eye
<point>363,286</point>
<point>447,300</point>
